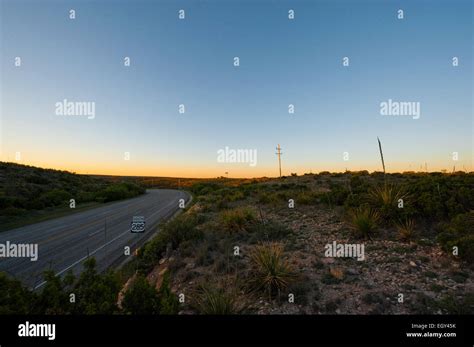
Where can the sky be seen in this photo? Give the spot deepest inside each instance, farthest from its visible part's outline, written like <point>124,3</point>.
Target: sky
<point>190,61</point>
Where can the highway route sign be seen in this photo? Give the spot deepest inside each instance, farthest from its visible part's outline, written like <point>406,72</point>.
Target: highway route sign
<point>138,224</point>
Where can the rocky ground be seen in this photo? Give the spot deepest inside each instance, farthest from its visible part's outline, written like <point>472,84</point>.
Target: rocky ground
<point>394,278</point>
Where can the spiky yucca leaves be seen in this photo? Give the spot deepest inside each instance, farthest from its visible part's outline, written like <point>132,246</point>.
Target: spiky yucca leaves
<point>363,221</point>
<point>406,229</point>
<point>218,300</point>
<point>386,198</point>
<point>271,271</point>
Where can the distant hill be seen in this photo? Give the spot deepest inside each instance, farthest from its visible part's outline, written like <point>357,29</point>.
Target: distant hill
<point>28,192</point>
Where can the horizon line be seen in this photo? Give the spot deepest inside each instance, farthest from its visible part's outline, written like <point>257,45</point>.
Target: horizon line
<point>444,171</point>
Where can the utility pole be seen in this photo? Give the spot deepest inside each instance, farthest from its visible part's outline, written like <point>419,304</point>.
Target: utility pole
<point>279,157</point>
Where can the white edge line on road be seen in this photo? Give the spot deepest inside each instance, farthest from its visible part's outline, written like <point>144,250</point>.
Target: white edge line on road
<point>95,251</point>
<point>85,257</point>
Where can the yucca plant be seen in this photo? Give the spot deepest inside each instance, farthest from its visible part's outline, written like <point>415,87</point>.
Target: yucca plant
<point>271,271</point>
<point>406,229</point>
<point>386,198</point>
<point>217,301</point>
<point>363,221</point>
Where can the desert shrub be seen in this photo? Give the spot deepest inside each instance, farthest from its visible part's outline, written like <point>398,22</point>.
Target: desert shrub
<point>168,302</point>
<point>217,300</point>
<point>112,193</point>
<point>85,197</point>
<point>385,198</point>
<point>363,221</point>
<point>204,188</point>
<point>337,195</point>
<point>55,197</point>
<point>283,186</point>
<point>270,231</point>
<point>118,191</point>
<point>222,203</point>
<point>460,233</point>
<point>180,229</point>
<point>355,200</point>
<point>451,304</point>
<point>307,198</point>
<point>356,183</point>
<point>406,229</point>
<point>357,192</point>
<point>266,198</point>
<point>237,195</point>
<point>440,196</point>
<point>270,270</point>
<point>283,196</point>
<point>448,304</point>
<point>14,297</point>
<point>203,253</point>
<point>53,298</point>
<point>231,194</point>
<point>97,292</point>
<point>212,202</point>
<point>141,298</point>
<point>237,219</point>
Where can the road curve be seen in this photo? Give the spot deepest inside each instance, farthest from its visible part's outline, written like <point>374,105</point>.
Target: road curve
<point>103,232</point>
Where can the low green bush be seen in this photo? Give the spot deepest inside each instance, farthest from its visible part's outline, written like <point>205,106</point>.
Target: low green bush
<point>141,298</point>
<point>237,219</point>
<point>180,229</point>
<point>459,233</point>
<point>336,196</point>
<point>270,231</point>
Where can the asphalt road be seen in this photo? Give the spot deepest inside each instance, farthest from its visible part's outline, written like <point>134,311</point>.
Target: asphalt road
<point>103,232</point>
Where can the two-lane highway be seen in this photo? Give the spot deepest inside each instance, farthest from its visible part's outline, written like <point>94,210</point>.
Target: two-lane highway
<point>104,232</point>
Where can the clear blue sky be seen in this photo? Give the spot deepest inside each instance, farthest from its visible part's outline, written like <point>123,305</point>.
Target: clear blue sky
<point>191,62</point>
